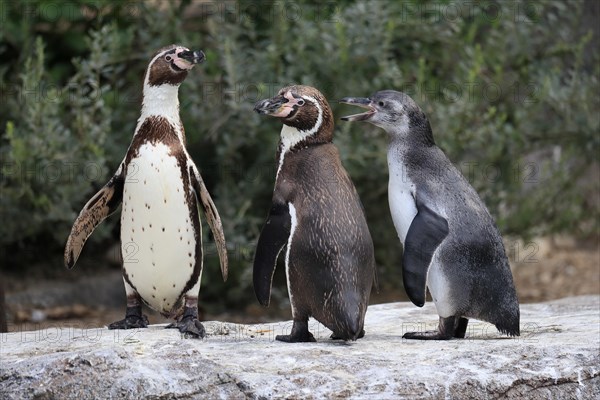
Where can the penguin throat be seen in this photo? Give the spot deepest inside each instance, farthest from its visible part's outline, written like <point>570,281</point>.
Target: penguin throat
<point>290,137</point>
<point>161,100</point>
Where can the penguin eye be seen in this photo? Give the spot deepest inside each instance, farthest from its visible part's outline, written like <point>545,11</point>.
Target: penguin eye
<point>381,104</point>
<point>168,57</point>
<point>300,102</point>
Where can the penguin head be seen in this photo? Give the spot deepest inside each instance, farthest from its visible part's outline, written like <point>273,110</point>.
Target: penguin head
<point>393,111</point>
<point>303,108</point>
<point>171,64</point>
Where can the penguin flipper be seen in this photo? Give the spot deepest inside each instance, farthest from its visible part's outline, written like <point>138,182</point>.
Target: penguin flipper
<point>427,230</point>
<point>212,216</point>
<point>273,237</point>
<point>100,206</point>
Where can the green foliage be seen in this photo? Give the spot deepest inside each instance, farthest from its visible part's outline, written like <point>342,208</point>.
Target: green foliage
<point>510,96</point>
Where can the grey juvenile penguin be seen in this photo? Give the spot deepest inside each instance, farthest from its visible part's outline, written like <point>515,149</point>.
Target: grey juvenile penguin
<point>451,242</point>
<point>160,188</point>
<point>317,213</point>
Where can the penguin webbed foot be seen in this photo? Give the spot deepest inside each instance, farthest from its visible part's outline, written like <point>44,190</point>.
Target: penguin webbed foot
<point>296,339</point>
<point>191,328</point>
<point>451,327</point>
<point>339,337</point>
<point>299,334</point>
<point>189,325</point>
<point>134,319</point>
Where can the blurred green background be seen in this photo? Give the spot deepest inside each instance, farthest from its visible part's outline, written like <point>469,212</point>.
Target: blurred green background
<point>511,90</point>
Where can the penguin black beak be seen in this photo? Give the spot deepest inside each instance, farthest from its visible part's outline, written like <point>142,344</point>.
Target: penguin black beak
<point>270,106</point>
<point>361,102</point>
<point>195,57</point>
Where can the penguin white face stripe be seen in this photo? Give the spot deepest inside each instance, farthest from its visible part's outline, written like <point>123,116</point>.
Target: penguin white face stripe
<point>291,136</point>
<point>294,220</point>
<point>147,77</point>
<point>319,117</point>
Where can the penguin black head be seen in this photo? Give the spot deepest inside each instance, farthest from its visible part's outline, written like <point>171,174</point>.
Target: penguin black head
<point>303,108</point>
<point>171,64</point>
<point>395,112</point>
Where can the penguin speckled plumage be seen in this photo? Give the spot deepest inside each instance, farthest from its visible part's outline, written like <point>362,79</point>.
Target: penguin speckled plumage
<point>160,188</point>
<point>451,243</point>
<point>317,214</point>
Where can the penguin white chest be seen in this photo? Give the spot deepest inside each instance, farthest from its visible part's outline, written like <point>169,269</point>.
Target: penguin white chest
<point>157,232</point>
<point>401,199</point>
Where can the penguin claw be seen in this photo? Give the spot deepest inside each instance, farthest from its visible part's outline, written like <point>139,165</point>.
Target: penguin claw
<point>130,322</point>
<point>189,327</point>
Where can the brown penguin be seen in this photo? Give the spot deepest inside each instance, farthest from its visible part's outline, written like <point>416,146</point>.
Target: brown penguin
<point>317,213</point>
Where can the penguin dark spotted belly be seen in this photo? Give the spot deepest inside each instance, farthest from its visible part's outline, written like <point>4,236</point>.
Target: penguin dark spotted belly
<point>160,188</point>
<point>451,243</point>
<point>317,215</point>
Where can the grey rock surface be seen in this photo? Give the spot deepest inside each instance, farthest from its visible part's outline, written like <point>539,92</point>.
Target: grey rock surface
<point>556,357</point>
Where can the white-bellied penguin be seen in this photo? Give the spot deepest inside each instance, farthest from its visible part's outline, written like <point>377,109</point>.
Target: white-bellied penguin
<point>160,189</point>
<point>317,214</point>
<point>451,243</point>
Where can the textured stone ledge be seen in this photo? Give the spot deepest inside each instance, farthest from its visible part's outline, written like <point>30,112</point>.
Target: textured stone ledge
<point>557,356</point>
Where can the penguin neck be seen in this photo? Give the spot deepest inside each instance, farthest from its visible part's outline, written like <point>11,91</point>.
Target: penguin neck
<point>420,129</point>
<point>161,100</point>
<point>411,133</point>
<point>292,138</point>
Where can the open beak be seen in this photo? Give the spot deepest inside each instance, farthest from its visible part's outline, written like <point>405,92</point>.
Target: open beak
<point>361,102</point>
<point>278,106</point>
<point>194,57</point>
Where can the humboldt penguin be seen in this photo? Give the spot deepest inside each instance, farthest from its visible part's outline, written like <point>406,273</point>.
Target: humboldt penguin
<point>317,214</point>
<point>451,243</point>
<point>160,189</point>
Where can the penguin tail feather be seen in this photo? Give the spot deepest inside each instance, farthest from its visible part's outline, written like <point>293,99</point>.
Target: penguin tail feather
<point>509,326</point>
<point>513,331</point>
